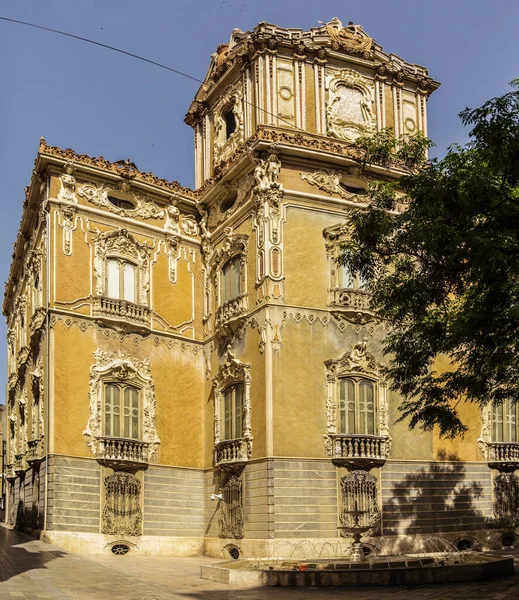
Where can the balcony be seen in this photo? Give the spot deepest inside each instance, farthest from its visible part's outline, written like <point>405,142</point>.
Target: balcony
<point>20,463</point>
<point>113,308</point>
<point>358,451</point>
<point>344,302</point>
<point>503,456</point>
<point>37,322</point>
<point>35,451</point>
<point>231,311</point>
<point>10,474</point>
<point>232,454</point>
<point>122,454</point>
<point>23,355</point>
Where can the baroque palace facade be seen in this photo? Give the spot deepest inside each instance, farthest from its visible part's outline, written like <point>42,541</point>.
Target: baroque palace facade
<point>190,371</point>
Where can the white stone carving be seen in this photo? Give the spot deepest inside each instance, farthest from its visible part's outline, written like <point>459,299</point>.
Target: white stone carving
<point>121,243</point>
<point>172,223</point>
<point>231,371</point>
<point>189,226</point>
<point>67,192</point>
<point>349,112</point>
<point>330,181</point>
<point>173,253</point>
<point>119,366</point>
<point>357,361</point>
<point>98,194</point>
<point>266,172</point>
<point>225,146</point>
<point>67,219</point>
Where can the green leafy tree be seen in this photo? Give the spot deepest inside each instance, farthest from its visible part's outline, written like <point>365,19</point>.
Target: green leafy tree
<point>444,271</point>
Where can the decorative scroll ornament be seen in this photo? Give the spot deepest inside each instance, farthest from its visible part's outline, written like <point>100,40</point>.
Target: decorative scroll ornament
<point>225,146</point>
<point>121,243</point>
<point>67,192</point>
<point>67,219</point>
<point>119,366</point>
<point>231,511</point>
<point>98,194</point>
<point>122,513</point>
<point>232,371</point>
<point>189,226</point>
<point>352,38</point>
<point>38,391</point>
<point>173,254</point>
<point>360,512</point>
<point>330,181</point>
<point>349,111</point>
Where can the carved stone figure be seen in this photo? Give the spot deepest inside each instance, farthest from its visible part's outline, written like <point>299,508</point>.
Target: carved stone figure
<point>172,223</point>
<point>67,191</point>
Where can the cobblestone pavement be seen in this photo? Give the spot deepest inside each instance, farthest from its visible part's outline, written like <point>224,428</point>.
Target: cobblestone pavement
<point>30,569</point>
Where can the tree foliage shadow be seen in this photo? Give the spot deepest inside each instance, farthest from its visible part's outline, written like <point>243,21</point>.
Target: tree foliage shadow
<point>437,499</point>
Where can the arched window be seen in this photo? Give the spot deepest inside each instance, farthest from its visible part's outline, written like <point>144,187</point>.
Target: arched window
<point>356,406</point>
<point>231,279</point>
<point>121,279</point>
<point>505,422</point>
<point>232,411</point>
<point>121,411</point>
<point>230,122</point>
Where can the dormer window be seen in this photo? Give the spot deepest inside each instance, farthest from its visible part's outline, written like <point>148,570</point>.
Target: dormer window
<point>121,203</point>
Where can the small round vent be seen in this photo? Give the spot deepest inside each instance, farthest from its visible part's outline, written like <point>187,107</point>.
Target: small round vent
<point>120,549</point>
<point>508,540</point>
<point>232,551</point>
<point>464,544</point>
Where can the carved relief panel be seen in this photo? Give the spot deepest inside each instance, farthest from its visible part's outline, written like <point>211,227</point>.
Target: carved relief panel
<point>349,108</point>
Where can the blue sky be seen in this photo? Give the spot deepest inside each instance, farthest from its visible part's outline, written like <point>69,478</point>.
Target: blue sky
<point>102,103</point>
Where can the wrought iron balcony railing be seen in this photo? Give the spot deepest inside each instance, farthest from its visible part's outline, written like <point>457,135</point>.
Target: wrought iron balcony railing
<point>232,452</point>
<point>121,309</point>
<point>122,453</point>
<point>358,451</point>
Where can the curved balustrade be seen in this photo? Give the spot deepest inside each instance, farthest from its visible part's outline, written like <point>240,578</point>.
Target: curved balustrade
<point>35,451</point>
<point>358,451</point>
<point>231,452</point>
<point>122,453</point>
<point>121,309</point>
<point>503,456</point>
<point>233,308</point>
<point>348,298</point>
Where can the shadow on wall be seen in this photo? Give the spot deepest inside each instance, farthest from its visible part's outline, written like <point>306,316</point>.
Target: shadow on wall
<point>440,498</point>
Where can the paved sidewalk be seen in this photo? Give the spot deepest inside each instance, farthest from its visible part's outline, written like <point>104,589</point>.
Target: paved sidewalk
<point>30,570</point>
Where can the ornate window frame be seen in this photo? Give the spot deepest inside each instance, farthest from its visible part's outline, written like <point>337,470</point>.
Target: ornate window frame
<point>350,304</point>
<point>234,308</point>
<point>225,146</point>
<point>123,368</point>
<point>338,126</point>
<point>238,451</point>
<point>98,195</point>
<point>355,362</point>
<point>121,244</point>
